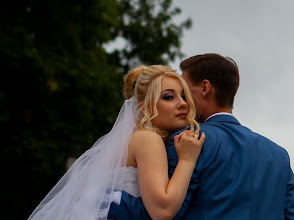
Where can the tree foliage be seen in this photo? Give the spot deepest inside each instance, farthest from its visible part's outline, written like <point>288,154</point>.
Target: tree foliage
<point>59,87</point>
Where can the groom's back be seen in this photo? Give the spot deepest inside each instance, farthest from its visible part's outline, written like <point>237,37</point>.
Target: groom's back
<point>240,175</point>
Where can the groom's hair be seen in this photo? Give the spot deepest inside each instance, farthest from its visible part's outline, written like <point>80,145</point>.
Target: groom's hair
<point>221,72</point>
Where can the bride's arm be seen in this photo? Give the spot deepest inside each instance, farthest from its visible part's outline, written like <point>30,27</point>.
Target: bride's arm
<point>163,197</point>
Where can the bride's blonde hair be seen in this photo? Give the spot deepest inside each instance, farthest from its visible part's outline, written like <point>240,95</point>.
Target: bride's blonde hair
<point>144,83</point>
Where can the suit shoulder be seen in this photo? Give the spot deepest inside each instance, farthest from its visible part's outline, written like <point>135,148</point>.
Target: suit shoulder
<point>271,143</point>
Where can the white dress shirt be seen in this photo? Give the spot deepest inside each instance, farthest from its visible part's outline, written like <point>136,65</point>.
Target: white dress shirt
<point>219,113</point>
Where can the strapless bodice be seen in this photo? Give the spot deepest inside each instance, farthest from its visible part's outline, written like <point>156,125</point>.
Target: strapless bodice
<point>131,182</point>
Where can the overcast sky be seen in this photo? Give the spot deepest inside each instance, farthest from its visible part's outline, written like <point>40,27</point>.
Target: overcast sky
<point>259,36</point>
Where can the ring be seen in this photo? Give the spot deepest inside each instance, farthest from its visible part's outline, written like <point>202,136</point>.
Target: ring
<point>196,135</point>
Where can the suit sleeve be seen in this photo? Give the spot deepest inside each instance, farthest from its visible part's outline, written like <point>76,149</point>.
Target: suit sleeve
<point>130,208</point>
<point>289,204</point>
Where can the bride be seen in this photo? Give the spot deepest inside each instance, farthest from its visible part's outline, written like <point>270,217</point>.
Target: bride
<point>132,156</point>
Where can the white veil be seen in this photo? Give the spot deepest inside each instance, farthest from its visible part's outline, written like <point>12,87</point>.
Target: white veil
<point>95,179</point>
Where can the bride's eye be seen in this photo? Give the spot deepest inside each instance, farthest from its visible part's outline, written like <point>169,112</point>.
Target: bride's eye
<point>168,97</point>
<point>184,97</point>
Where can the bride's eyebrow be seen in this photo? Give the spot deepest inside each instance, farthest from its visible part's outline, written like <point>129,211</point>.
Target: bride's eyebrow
<point>168,90</point>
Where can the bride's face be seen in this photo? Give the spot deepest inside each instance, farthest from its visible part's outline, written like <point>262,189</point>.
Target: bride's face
<point>172,106</point>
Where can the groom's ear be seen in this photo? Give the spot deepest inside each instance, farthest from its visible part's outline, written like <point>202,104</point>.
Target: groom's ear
<point>206,87</point>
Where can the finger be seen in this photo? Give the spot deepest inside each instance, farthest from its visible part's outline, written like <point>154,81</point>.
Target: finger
<point>185,134</point>
<point>196,136</point>
<point>180,135</point>
<point>202,138</point>
<point>177,138</point>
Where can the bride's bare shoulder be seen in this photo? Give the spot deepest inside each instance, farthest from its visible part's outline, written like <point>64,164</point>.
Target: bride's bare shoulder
<point>144,141</point>
<point>145,137</point>
<point>145,134</point>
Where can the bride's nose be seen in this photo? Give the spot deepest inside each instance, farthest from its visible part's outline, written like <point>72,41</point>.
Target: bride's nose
<point>182,103</point>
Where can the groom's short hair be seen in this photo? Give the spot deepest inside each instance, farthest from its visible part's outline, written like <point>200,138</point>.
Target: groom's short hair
<point>221,72</point>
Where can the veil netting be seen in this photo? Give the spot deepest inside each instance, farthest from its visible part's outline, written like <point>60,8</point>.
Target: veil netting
<point>96,178</point>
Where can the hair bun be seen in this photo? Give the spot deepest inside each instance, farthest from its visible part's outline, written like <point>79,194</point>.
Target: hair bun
<point>130,81</point>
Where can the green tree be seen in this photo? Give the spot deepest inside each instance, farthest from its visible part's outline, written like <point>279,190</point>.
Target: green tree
<point>59,87</point>
<point>151,35</point>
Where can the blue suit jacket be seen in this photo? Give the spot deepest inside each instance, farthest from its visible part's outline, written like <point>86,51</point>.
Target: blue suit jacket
<point>239,175</point>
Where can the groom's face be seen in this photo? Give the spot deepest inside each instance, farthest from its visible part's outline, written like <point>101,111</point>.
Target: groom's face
<point>196,94</point>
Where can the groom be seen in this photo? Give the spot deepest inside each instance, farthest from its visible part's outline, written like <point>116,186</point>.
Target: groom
<point>239,174</point>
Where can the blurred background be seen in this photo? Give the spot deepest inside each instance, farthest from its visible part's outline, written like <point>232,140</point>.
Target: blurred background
<point>63,62</point>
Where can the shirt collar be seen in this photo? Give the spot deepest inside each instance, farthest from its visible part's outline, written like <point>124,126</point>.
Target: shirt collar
<point>219,113</point>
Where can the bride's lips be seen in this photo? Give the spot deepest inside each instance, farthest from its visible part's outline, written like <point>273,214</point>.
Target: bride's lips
<point>182,115</point>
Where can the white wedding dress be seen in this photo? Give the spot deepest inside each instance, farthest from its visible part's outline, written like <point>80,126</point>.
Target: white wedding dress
<point>131,183</point>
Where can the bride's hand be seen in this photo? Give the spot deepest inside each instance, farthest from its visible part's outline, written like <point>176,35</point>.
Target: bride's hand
<point>187,146</point>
